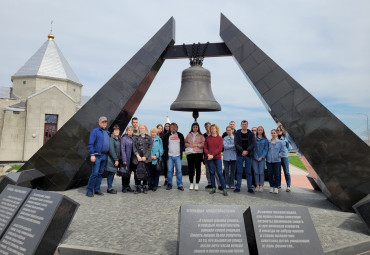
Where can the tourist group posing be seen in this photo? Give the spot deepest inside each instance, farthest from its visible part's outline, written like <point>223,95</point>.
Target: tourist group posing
<point>148,154</point>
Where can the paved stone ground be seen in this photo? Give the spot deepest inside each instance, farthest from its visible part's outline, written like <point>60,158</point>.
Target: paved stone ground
<point>148,223</point>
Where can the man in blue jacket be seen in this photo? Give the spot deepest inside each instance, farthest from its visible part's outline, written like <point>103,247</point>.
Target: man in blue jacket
<point>98,148</point>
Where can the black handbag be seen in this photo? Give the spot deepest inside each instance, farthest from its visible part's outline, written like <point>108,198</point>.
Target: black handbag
<point>159,165</point>
<point>123,171</point>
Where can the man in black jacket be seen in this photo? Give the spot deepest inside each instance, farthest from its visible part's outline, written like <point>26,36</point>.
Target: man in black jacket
<point>174,146</point>
<point>233,129</point>
<point>244,145</point>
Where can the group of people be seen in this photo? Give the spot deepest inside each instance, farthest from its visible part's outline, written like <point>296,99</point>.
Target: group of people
<point>147,154</point>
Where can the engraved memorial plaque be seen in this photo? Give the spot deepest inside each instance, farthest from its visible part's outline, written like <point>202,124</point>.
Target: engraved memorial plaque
<point>281,230</point>
<point>11,199</point>
<point>39,224</point>
<point>211,229</point>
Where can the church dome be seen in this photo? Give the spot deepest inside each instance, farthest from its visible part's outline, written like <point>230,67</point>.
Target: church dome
<point>48,61</point>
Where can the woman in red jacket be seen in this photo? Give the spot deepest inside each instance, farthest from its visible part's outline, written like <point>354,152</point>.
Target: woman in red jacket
<point>213,148</point>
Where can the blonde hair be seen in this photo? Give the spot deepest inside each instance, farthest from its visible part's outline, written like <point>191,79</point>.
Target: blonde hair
<point>217,128</point>
<point>154,130</point>
<point>146,129</point>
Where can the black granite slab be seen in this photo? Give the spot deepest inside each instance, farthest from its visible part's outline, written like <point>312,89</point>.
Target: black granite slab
<point>211,229</point>
<point>281,230</point>
<point>39,225</point>
<point>326,142</point>
<point>362,209</point>
<point>64,159</point>
<point>213,50</point>
<point>31,178</point>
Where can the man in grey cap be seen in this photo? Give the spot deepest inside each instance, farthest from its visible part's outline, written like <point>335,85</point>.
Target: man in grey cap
<point>98,148</point>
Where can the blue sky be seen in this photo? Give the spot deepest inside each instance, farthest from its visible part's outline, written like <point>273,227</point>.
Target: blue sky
<point>321,44</point>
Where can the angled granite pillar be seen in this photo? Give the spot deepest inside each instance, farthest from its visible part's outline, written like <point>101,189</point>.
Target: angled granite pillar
<point>64,159</point>
<point>339,157</point>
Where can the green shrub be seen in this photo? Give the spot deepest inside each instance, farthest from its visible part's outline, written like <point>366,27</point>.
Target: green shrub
<point>16,167</point>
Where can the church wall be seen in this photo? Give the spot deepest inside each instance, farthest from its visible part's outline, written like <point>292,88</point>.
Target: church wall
<point>38,83</point>
<point>74,91</point>
<point>51,101</point>
<point>24,90</point>
<point>5,102</point>
<point>12,136</point>
<point>68,87</point>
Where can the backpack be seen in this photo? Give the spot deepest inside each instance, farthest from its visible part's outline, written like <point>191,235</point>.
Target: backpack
<point>141,172</point>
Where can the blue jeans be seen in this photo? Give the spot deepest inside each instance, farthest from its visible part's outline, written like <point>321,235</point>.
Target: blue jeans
<point>259,171</point>
<point>239,171</point>
<point>171,162</point>
<point>153,178</point>
<point>229,168</point>
<point>208,174</point>
<point>285,165</point>
<point>215,166</point>
<point>96,174</point>
<point>110,178</point>
<point>273,172</point>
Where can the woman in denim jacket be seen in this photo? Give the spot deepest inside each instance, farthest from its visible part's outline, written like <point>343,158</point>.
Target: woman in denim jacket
<point>284,159</point>
<point>275,152</point>
<point>157,152</point>
<point>259,158</point>
<point>229,158</point>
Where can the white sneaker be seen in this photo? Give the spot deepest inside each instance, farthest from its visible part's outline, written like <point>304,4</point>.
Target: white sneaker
<point>196,186</point>
<point>276,191</point>
<point>191,186</point>
<point>261,188</point>
<point>287,189</point>
<point>271,190</point>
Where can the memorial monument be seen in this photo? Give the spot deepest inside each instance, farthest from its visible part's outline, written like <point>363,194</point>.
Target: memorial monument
<point>345,177</point>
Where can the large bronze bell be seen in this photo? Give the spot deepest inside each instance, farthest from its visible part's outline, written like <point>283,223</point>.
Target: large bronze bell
<point>196,92</point>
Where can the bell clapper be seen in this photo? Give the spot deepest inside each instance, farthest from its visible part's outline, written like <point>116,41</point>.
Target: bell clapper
<point>195,115</point>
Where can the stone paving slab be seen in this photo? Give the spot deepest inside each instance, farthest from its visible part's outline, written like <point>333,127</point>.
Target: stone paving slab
<point>148,223</point>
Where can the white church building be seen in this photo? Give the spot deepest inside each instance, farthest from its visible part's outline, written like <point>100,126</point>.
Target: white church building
<point>45,94</point>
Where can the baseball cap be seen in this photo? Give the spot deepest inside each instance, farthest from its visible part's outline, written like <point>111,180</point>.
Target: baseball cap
<point>102,118</point>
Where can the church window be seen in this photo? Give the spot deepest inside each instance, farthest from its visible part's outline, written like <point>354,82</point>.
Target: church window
<point>24,82</point>
<point>51,126</point>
